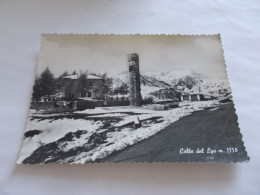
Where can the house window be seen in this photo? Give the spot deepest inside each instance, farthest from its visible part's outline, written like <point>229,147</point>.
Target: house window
<point>71,95</point>
<point>83,94</point>
<point>194,98</point>
<point>76,83</point>
<point>89,94</point>
<point>97,94</point>
<point>186,98</point>
<point>91,84</point>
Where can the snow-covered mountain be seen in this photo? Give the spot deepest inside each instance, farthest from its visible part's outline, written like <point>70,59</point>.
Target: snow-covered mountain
<point>173,76</point>
<point>179,81</point>
<point>119,79</point>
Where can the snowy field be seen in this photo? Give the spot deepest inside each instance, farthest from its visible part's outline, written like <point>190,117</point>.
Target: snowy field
<point>89,135</point>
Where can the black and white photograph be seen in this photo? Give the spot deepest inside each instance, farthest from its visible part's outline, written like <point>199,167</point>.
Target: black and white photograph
<point>131,98</point>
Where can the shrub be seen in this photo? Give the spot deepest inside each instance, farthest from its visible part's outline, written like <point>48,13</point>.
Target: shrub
<point>148,100</point>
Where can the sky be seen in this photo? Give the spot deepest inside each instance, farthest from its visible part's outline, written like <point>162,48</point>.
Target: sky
<point>108,53</point>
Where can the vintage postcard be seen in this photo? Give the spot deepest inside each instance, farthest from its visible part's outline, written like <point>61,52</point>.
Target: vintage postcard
<point>131,98</point>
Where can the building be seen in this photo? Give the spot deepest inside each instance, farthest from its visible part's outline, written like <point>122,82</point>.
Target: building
<point>165,94</point>
<point>117,100</point>
<point>192,97</point>
<point>92,88</point>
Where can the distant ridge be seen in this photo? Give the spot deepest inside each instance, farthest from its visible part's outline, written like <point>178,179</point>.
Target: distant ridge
<point>181,81</point>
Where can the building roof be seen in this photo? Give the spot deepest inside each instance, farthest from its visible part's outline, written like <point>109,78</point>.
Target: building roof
<point>119,95</point>
<point>77,76</point>
<point>88,99</point>
<point>192,94</point>
<point>71,77</point>
<point>90,76</point>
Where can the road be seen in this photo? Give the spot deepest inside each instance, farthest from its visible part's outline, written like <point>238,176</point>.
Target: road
<point>206,130</point>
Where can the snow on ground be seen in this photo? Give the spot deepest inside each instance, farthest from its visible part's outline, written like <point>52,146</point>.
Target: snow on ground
<point>147,90</point>
<point>213,109</point>
<point>109,115</point>
<point>52,131</point>
<point>40,113</point>
<point>116,140</point>
<point>129,136</point>
<point>107,110</point>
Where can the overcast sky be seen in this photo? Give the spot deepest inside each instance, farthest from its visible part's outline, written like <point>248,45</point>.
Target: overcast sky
<point>108,53</point>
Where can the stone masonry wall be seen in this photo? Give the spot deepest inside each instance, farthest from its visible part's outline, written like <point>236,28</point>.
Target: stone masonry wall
<point>134,80</point>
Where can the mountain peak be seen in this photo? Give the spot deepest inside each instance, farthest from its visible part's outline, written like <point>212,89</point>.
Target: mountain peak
<point>181,81</point>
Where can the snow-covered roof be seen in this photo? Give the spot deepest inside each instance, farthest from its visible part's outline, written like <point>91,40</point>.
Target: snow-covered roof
<point>119,95</point>
<point>166,100</point>
<point>77,76</point>
<point>93,77</point>
<point>192,94</point>
<point>71,77</point>
<point>88,99</point>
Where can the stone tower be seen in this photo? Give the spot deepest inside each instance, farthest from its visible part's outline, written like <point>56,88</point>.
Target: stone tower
<point>134,80</point>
